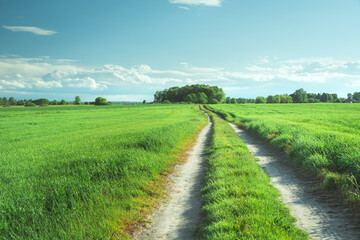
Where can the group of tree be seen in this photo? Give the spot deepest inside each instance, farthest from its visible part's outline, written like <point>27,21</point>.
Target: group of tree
<point>299,96</point>
<point>198,93</point>
<point>29,102</point>
<point>45,102</point>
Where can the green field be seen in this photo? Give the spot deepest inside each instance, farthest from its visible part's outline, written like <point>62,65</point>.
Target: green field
<point>86,172</point>
<point>238,200</point>
<point>323,138</point>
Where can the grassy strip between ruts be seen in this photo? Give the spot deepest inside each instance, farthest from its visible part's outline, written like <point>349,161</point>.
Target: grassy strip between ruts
<point>238,200</point>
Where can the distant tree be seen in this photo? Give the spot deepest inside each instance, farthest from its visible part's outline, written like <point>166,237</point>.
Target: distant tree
<point>62,102</point>
<point>166,102</point>
<point>20,103</point>
<point>1,101</point>
<point>299,96</point>
<point>271,99</point>
<point>53,102</point>
<point>350,96</point>
<point>77,100</point>
<point>191,98</point>
<point>334,97</point>
<point>86,103</point>
<point>241,100</point>
<point>202,98</point>
<point>144,101</point>
<point>30,104</point>
<point>356,96</point>
<point>260,100</point>
<point>311,100</point>
<point>12,101</point>
<point>233,101</point>
<point>100,101</point>
<point>324,97</point>
<point>228,99</point>
<point>4,101</point>
<point>41,102</point>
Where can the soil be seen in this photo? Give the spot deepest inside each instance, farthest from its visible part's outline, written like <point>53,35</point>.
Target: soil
<point>320,213</point>
<point>179,214</point>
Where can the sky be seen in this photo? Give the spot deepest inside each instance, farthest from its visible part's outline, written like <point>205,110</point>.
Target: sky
<point>127,50</point>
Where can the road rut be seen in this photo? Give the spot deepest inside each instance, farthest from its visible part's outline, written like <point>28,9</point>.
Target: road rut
<point>179,214</point>
<point>320,213</point>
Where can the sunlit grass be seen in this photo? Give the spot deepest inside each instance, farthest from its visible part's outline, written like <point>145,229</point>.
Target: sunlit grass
<point>323,138</point>
<point>85,172</point>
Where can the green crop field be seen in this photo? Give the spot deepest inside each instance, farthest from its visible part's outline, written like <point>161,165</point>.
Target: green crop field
<point>86,172</point>
<point>323,138</point>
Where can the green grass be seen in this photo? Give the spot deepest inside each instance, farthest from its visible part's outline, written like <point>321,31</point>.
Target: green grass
<point>323,138</point>
<point>86,172</point>
<point>239,201</point>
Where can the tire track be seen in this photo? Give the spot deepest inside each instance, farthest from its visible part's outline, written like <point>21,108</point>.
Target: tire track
<point>321,213</point>
<point>178,217</point>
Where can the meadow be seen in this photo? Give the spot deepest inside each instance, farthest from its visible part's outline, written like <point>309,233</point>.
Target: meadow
<point>323,138</point>
<point>85,172</point>
<point>238,200</point>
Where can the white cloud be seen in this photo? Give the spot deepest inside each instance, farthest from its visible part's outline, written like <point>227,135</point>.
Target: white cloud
<point>34,30</point>
<point>215,3</point>
<point>43,73</point>
<point>185,8</point>
<point>86,82</point>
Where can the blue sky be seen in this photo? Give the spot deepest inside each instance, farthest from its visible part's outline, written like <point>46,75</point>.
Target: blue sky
<point>128,49</point>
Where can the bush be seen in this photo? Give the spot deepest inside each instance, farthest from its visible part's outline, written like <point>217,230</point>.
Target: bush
<point>30,104</point>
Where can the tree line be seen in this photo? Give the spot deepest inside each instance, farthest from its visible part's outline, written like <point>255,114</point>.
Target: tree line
<point>5,102</point>
<point>299,96</point>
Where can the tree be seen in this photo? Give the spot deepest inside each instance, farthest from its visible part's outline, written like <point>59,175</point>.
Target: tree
<point>1,101</point>
<point>62,102</point>
<point>350,96</point>
<point>241,100</point>
<point>356,96</point>
<point>233,101</point>
<point>30,104</point>
<point>12,101</point>
<point>41,102</point>
<point>4,101</point>
<point>53,102</point>
<point>228,99</point>
<point>144,101</point>
<point>260,100</point>
<point>100,101</point>
<point>202,98</point>
<point>191,98</point>
<point>20,103</point>
<point>77,100</point>
<point>299,96</point>
<point>271,99</point>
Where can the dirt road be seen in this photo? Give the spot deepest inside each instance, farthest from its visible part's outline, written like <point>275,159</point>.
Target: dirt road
<point>179,214</point>
<point>320,213</point>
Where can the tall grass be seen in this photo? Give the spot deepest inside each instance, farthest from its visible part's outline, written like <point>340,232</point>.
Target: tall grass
<point>85,172</point>
<point>323,138</point>
<point>239,201</point>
